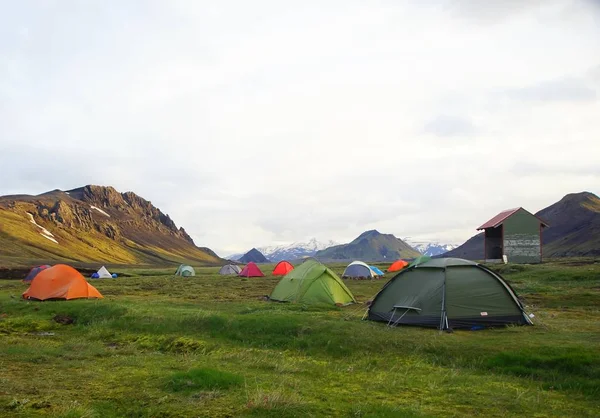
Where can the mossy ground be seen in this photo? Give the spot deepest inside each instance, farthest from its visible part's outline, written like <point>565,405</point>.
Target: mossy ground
<point>160,346</point>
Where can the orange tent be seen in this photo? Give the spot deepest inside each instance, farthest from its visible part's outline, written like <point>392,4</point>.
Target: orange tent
<point>60,282</point>
<point>282,268</point>
<point>398,265</point>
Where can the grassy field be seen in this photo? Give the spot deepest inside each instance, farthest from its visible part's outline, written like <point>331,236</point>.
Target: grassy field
<point>159,346</point>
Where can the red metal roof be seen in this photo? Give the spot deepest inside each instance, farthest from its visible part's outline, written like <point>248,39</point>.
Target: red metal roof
<point>502,216</point>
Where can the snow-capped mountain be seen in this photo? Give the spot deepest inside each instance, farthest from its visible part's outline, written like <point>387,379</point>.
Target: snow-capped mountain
<point>292,251</point>
<point>430,248</point>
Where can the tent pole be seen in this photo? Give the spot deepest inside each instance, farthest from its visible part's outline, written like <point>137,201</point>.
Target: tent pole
<point>443,316</point>
<point>402,316</point>
<point>392,317</point>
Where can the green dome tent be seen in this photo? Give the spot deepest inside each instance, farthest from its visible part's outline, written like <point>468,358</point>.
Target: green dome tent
<point>448,293</point>
<point>312,283</point>
<point>419,260</point>
<point>185,271</point>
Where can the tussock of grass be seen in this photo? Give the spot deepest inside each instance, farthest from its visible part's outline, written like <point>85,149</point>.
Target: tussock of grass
<point>16,404</point>
<point>203,379</point>
<point>185,345</point>
<point>280,411</point>
<point>86,313</point>
<point>24,326</point>
<point>77,411</point>
<point>172,344</point>
<point>382,411</point>
<point>275,403</point>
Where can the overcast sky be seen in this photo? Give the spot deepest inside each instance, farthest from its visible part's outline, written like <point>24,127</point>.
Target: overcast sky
<point>266,122</point>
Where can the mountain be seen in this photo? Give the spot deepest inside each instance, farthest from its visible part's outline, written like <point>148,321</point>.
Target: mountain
<point>574,229</point>
<point>292,251</point>
<point>93,223</point>
<point>430,248</point>
<point>574,226</point>
<point>472,249</point>
<point>370,246</point>
<point>253,255</point>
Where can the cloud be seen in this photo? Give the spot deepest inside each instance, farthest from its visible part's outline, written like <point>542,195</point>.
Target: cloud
<point>449,126</point>
<point>272,121</point>
<point>492,11</point>
<point>568,89</point>
<point>503,12</point>
<point>594,73</point>
<point>564,168</point>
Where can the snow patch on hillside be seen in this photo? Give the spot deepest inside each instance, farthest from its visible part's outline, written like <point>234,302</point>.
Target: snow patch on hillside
<point>50,238</point>
<point>100,210</point>
<point>45,233</point>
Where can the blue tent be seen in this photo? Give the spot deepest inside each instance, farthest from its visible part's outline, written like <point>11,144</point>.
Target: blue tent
<point>376,271</point>
<point>95,276</point>
<point>34,272</point>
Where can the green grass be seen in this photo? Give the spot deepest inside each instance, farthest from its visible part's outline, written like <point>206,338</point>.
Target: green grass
<point>159,346</point>
<point>203,378</point>
<point>575,369</point>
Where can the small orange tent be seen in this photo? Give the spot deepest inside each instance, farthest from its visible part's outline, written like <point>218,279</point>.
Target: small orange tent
<point>60,282</point>
<point>398,265</point>
<point>282,268</point>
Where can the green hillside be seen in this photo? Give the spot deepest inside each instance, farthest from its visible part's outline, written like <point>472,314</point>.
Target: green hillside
<point>574,226</point>
<point>92,223</point>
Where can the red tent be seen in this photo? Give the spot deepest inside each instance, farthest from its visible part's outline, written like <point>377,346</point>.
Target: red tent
<point>251,270</point>
<point>282,268</point>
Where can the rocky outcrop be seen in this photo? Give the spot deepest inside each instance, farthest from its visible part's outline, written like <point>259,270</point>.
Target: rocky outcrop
<point>142,214</point>
<point>71,216</point>
<point>185,235</point>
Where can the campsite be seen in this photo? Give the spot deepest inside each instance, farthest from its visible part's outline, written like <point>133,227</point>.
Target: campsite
<point>347,209</point>
<point>212,345</point>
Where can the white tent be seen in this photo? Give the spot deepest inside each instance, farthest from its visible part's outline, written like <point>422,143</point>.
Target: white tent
<point>230,269</point>
<point>103,273</point>
<point>358,270</point>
